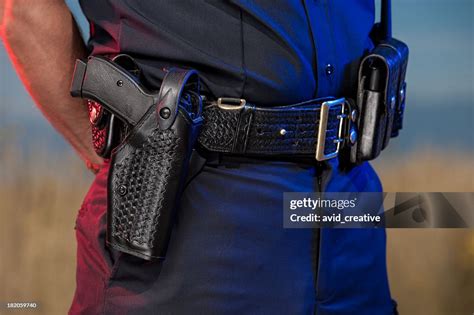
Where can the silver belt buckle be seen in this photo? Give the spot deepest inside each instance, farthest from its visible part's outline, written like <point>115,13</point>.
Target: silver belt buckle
<point>323,123</point>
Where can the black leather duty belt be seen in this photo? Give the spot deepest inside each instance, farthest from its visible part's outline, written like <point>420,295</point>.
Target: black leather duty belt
<point>317,128</point>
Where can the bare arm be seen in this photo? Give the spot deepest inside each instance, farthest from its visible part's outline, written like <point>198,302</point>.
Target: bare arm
<point>43,42</point>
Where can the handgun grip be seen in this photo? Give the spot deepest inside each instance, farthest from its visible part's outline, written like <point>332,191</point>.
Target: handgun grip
<point>113,87</point>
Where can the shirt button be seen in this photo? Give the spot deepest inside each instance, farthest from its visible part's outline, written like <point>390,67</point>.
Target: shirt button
<point>329,69</point>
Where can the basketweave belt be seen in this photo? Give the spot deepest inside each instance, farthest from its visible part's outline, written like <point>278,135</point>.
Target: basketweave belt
<point>317,128</point>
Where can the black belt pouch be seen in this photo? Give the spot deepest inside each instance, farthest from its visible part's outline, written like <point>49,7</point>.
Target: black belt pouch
<point>380,98</point>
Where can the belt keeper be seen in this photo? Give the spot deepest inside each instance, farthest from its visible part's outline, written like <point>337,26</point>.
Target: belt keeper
<point>243,128</point>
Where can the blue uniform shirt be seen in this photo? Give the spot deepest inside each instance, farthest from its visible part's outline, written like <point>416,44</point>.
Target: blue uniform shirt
<point>270,52</point>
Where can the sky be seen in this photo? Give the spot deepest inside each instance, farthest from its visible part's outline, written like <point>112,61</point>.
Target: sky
<point>439,113</point>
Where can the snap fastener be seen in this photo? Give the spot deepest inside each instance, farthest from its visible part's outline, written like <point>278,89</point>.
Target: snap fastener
<point>353,136</point>
<point>282,132</point>
<point>165,113</point>
<point>329,69</point>
<point>122,190</point>
<point>393,102</point>
<point>120,83</point>
<point>354,115</point>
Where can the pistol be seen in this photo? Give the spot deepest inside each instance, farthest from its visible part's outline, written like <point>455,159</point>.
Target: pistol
<point>149,137</point>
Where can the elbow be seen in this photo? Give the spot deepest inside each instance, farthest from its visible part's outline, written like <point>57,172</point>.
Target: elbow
<point>3,18</point>
<point>8,21</point>
<point>7,31</point>
<point>16,17</point>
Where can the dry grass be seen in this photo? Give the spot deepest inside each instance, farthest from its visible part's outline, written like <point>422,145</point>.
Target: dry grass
<point>427,170</point>
<point>431,270</point>
<point>40,197</point>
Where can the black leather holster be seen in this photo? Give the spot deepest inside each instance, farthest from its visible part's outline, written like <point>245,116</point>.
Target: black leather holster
<point>149,166</point>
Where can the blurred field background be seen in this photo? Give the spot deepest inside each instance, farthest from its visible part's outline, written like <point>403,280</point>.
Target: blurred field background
<point>431,271</point>
<point>42,182</point>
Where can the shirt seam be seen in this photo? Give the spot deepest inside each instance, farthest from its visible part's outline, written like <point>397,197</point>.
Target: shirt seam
<point>315,51</point>
<point>242,47</point>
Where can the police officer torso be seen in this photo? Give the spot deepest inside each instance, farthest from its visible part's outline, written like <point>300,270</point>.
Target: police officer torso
<point>270,52</point>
